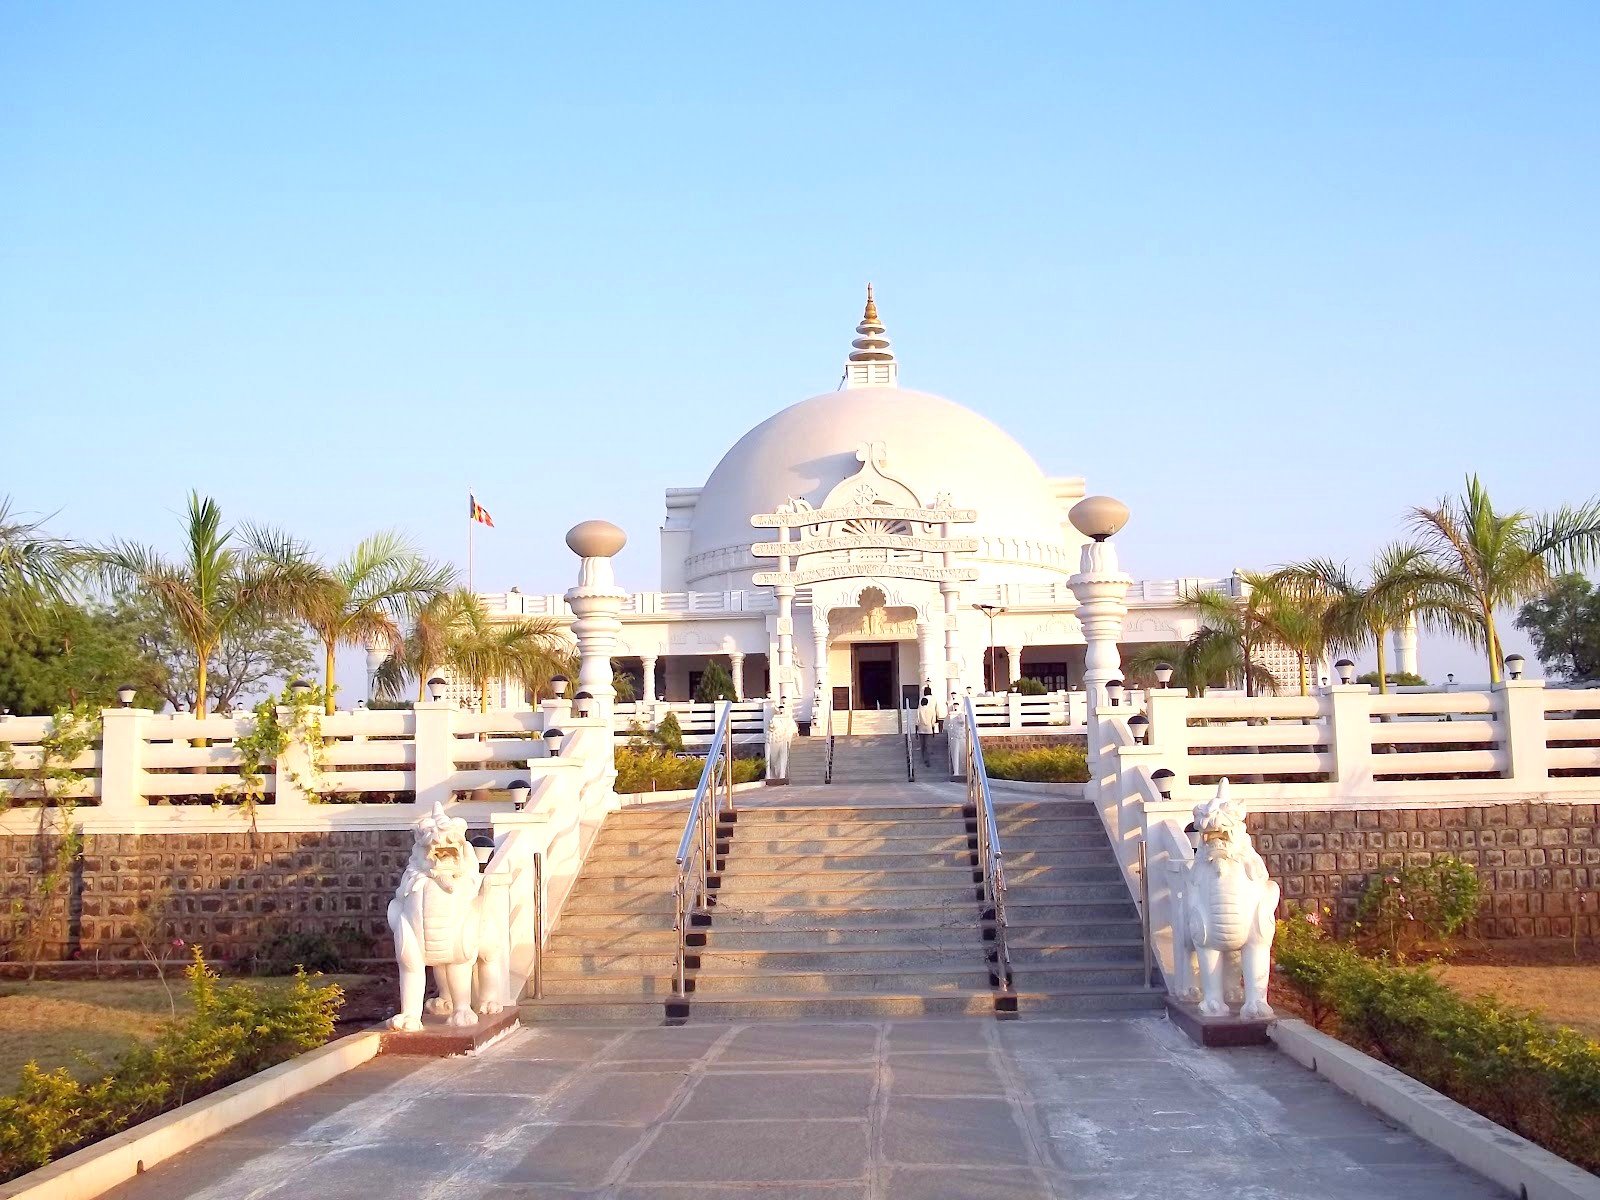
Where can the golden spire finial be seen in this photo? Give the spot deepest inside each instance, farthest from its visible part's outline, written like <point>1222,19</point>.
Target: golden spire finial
<point>871,313</point>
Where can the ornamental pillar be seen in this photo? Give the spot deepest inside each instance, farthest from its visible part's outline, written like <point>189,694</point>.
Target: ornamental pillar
<point>596,603</point>
<point>1101,588</point>
<point>736,669</point>
<point>1013,665</point>
<point>648,690</point>
<point>377,655</point>
<point>1405,647</point>
<point>819,655</point>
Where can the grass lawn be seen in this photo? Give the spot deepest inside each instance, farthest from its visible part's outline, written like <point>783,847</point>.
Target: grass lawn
<point>54,1021</point>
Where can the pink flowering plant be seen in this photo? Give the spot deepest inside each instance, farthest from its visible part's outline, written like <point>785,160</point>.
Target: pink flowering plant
<point>1405,906</point>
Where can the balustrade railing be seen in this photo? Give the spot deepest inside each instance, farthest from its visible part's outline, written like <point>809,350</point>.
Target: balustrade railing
<point>697,849</point>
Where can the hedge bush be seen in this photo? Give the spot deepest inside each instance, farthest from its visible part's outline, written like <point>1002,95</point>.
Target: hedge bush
<point>1514,1067</point>
<point>653,769</point>
<point>1054,764</point>
<point>232,1033</point>
<point>1403,906</point>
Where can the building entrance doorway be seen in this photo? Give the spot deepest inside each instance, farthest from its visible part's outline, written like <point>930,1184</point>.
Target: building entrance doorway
<point>876,666</point>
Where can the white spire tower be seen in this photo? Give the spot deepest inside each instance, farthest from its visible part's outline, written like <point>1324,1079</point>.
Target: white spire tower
<point>871,362</point>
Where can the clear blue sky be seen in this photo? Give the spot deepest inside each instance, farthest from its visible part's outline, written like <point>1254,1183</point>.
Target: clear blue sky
<point>1269,273</point>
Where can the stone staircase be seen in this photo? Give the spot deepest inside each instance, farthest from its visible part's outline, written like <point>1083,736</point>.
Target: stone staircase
<point>857,910</point>
<point>866,721</point>
<point>1076,941</point>
<point>845,912</point>
<point>869,758</point>
<point>808,760</point>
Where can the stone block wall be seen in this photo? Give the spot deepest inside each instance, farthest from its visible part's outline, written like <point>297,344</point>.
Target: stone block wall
<point>225,892</point>
<point>1034,741</point>
<point>1539,864</point>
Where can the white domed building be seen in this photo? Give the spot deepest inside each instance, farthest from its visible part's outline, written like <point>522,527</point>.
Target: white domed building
<point>920,544</point>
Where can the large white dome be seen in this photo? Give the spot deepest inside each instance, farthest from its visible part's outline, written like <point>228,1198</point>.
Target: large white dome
<point>932,445</point>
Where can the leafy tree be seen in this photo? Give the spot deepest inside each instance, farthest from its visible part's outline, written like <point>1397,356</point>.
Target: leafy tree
<point>715,684</point>
<point>253,658</point>
<point>214,588</point>
<point>362,597</point>
<point>36,567</point>
<point>1495,559</point>
<point>66,655</point>
<point>1404,583</point>
<point>1564,624</point>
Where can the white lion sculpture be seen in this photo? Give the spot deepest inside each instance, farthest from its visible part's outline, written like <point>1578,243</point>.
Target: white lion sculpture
<point>1229,910</point>
<point>442,918</point>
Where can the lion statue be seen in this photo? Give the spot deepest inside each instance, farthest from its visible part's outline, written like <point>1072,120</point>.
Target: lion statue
<point>442,918</point>
<point>1229,910</point>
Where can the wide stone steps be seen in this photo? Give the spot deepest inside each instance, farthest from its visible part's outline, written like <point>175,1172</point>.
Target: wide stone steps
<point>848,911</point>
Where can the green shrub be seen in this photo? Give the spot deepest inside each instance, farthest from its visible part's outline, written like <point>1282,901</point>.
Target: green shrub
<point>232,1033</point>
<point>1514,1067</point>
<point>715,684</point>
<point>1055,764</point>
<point>1404,905</point>
<point>1396,679</point>
<point>285,953</point>
<point>669,734</point>
<point>1028,686</point>
<point>653,769</point>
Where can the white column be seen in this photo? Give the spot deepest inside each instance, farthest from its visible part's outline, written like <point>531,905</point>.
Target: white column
<point>928,660</point>
<point>377,652</point>
<point>1405,647</point>
<point>736,669</point>
<point>648,691</point>
<point>596,602</point>
<point>784,677</point>
<point>1013,664</point>
<point>819,652</point>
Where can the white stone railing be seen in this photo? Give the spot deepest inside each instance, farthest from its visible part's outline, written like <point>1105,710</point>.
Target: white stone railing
<point>368,769</point>
<point>1060,595</point>
<point>698,721</point>
<point>709,604</point>
<point>1345,747</point>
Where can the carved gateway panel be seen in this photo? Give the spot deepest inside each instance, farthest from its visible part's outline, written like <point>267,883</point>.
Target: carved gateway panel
<point>869,524</point>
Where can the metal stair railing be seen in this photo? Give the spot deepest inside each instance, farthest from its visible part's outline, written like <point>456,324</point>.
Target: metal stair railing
<point>990,859</point>
<point>697,849</point>
<point>908,725</point>
<point>827,758</point>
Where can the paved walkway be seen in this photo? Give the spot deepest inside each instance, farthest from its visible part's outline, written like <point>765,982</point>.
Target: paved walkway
<point>901,1110</point>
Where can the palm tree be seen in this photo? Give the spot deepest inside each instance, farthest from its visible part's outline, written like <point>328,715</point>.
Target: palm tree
<point>1208,658</point>
<point>1232,631</point>
<point>1223,650</point>
<point>363,596</point>
<point>1495,559</point>
<point>455,632</point>
<point>1405,584</point>
<point>36,567</point>
<point>214,587</point>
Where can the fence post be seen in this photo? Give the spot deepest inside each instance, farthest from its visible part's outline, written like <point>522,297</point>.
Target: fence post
<point>436,751</point>
<point>1014,710</point>
<point>1168,710</point>
<point>122,734</point>
<point>1347,708</point>
<point>1522,720</point>
<point>292,770</point>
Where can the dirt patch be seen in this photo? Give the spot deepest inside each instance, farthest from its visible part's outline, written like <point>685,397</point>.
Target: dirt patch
<point>1568,995</point>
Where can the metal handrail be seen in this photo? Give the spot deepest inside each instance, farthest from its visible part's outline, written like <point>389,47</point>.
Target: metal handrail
<point>990,858</point>
<point>697,848</point>
<point>827,757</point>
<point>538,925</point>
<point>908,721</point>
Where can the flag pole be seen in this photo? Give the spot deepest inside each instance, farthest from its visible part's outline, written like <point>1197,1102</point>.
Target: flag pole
<point>471,521</point>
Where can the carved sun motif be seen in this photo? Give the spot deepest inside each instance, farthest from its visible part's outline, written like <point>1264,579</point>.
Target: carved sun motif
<point>874,525</point>
<point>865,493</point>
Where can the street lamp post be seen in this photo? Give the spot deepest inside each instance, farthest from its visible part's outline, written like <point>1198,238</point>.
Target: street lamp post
<point>991,611</point>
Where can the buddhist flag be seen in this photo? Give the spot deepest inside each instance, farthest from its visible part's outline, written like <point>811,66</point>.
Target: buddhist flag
<point>478,512</point>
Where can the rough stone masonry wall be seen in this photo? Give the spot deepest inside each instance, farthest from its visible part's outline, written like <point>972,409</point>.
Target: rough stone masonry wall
<point>1539,864</point>
<point>226,892</point>
<point>1034,741</point>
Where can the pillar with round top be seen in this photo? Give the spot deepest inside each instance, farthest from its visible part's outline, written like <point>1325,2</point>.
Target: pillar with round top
<point>596,603</point>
